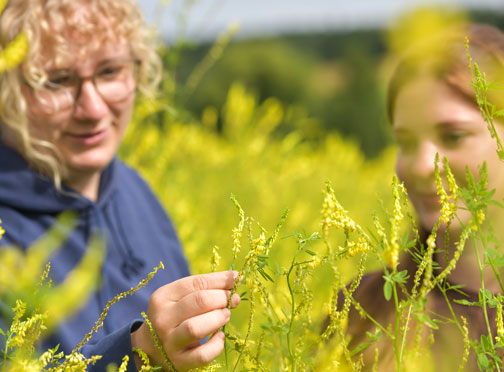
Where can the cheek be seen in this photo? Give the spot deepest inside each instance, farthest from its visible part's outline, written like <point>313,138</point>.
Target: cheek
<point>43,123</point>
<point>123,110</point>
<point>401,167</point>
<point>45,126</point>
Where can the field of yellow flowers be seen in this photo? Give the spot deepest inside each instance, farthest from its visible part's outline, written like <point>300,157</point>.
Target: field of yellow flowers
<point>196,170</point>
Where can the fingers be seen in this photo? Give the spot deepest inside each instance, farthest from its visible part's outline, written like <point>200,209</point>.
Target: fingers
<point>202,354</point>
<point>198,327</point>
<point>183,287</point>
<point>201,302</point>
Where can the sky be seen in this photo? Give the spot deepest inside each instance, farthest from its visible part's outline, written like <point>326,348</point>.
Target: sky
<point>205,19</point>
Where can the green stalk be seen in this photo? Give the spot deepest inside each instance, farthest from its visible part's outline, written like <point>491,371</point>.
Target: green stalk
<point>403,342</point>
<point>396,331</point>
<point>497,275</point>
<point>293,309</point>
<point>480,267</point>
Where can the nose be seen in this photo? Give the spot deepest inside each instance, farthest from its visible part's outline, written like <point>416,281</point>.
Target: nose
<point>90,105</point>
<point>424,163</point>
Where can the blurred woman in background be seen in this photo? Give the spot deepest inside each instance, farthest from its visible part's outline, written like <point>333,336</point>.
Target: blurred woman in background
<point>63,115</point>
<point>433,110</point>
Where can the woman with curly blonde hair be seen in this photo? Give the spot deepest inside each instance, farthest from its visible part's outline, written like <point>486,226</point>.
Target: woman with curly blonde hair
<point>63,113</point>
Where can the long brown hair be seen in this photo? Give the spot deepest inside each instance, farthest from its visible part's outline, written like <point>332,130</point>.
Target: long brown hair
<point>449,62</point>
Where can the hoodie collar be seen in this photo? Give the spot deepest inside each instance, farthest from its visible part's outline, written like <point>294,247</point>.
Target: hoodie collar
<point>23,188</point>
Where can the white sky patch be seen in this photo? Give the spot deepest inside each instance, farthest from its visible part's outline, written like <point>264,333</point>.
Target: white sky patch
<point>205,19</point>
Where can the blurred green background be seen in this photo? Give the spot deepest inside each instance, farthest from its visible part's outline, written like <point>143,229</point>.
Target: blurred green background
<point>269,119</point>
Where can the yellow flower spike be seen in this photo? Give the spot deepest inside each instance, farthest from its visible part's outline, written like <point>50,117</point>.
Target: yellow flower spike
<point>334,215</point>
<point>448,208</point>
<point>450,178</point>
<point>237,231</point>
<point>499,321</point>
<point>467,345</point>
<point>14,52</point>
<point>216,258</point>
<point>124,365</point>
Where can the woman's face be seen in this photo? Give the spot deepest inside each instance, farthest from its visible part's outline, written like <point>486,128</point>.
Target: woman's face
<point>88,128</point>
<point>429,118</point>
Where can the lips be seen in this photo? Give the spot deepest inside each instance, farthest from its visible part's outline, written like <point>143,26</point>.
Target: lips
<point>90,138</point>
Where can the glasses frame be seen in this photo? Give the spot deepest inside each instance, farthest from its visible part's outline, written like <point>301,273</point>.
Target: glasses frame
<point>78,82</point>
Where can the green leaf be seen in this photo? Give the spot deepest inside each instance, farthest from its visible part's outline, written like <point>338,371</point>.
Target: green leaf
<point>387,290</point>
<point>486,343</point>
<point>360,348</point>
<point>400,277</point>
<point>264,274</point>
<point>483,362</point>
<point>374,336</point>
<point>467,303</point>
<point>494,257</point>
<point>422,317</point>
<point>310,252</point>
<point>489,297</point>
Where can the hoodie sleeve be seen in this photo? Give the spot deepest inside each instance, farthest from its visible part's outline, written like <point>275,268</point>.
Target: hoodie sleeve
<point>113,348</point>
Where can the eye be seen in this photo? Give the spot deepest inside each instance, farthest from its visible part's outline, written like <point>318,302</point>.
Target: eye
<point>110,72</point>
<point>406,143</point>
<point>59,80</point>
<point>453,138</point>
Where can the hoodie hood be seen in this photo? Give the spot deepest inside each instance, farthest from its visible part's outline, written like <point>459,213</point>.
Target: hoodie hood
<point>31,193</point>
<point>24,189</point>
<point>136,230</point>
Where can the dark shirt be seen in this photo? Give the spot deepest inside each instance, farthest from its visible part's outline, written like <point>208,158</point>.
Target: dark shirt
<point>137,233</point>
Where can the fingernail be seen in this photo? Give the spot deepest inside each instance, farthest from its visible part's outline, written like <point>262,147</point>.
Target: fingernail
<point>235,274</point>
<point>235,300</point>
<point>227,313</point>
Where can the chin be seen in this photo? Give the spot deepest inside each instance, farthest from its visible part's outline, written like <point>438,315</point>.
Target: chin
<point>93,162</point>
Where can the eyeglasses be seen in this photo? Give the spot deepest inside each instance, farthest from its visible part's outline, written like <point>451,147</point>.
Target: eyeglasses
<point>114,81</point>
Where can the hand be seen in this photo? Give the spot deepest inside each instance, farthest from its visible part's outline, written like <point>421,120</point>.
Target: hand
<point>184,312</point>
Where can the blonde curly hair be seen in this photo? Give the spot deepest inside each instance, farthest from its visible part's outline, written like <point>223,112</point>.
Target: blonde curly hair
<point>45,23</point>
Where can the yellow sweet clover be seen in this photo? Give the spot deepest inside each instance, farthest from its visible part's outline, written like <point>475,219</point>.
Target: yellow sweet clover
<point>216,258</point>
<point>499,321</point>
<point>334,215</point>
<point>2,231</point>
<point>14,53</point>
<point>448,208</point>
<point>391,253</point>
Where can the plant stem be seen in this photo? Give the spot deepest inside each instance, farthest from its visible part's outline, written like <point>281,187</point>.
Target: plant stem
<point>482,279</point>
<point>397,330</point>
<point>293,309</point>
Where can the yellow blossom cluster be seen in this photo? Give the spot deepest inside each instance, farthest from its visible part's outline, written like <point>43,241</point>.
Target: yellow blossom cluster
<point>216,258</point>
<point>478,219</point>
<point>334,215</point>
<point>499,321</point>
<point>355,247</point>
<point>257,247</point>
<point>391,253</point>
<point>448,202</point>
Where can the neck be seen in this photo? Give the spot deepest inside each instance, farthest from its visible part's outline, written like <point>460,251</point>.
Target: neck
<point>86,184</point>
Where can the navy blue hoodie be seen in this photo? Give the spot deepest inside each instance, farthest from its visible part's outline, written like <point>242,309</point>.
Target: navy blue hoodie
<point>138,236</point>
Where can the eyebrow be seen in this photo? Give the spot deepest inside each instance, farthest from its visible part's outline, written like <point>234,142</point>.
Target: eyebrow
<point>453,124</point>
<point>74,72</point>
